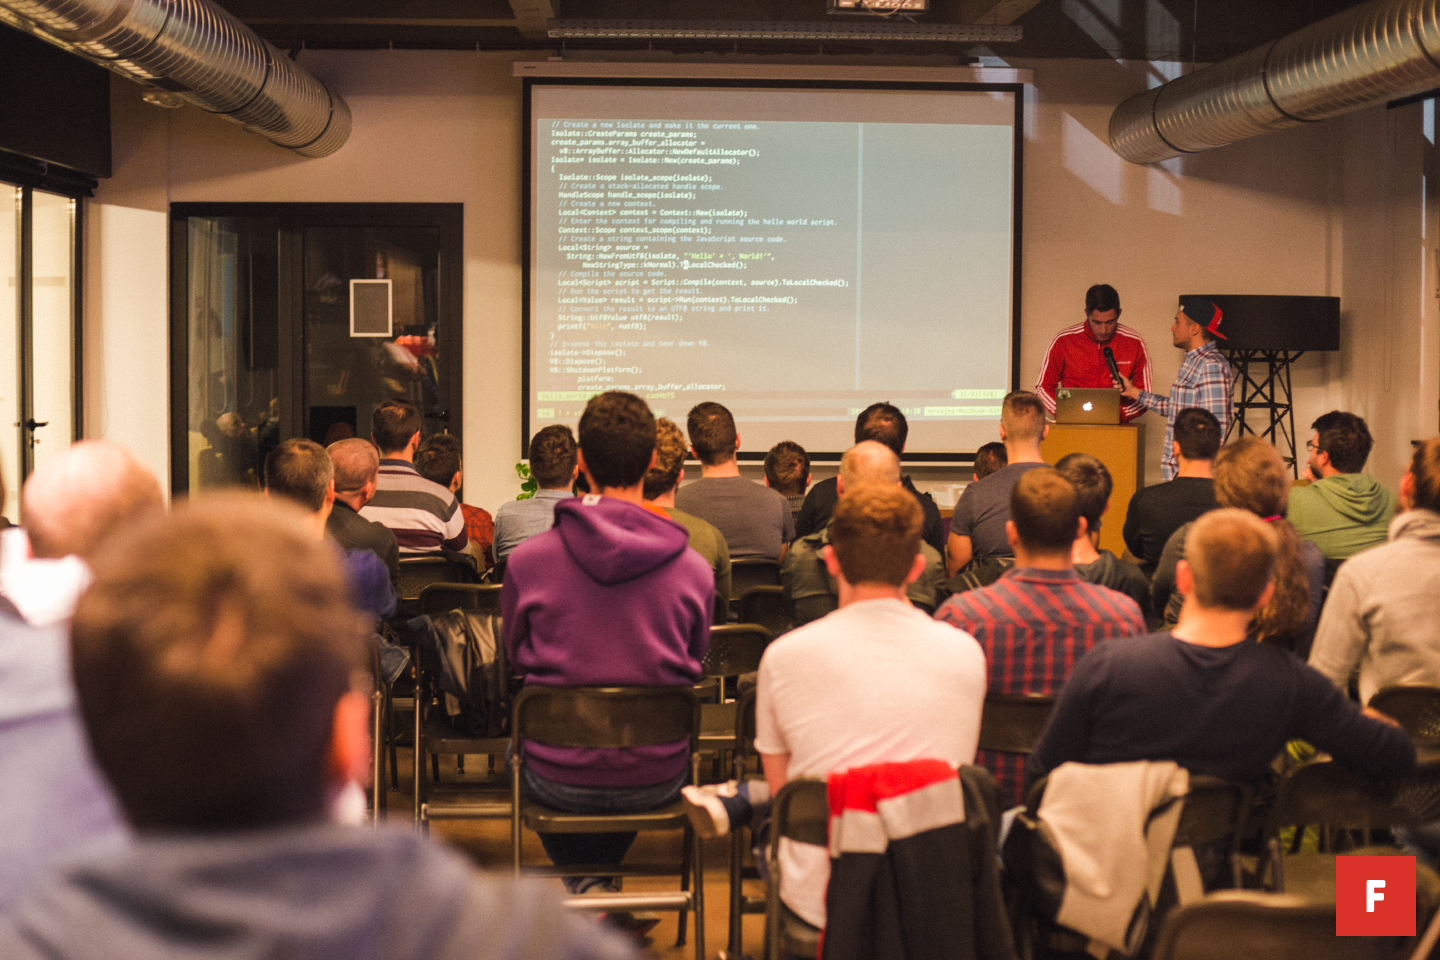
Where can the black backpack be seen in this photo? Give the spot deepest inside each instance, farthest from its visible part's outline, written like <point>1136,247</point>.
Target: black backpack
<point>463,651</point>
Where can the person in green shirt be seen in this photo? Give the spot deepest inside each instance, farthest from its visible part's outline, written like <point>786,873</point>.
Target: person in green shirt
<point>1343,511</point>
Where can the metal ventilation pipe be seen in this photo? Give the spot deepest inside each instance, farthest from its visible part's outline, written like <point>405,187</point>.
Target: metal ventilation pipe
<point>202,55</point>
<point>1372,53</point>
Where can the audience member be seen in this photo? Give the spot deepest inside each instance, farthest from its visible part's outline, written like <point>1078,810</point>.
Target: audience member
<point>300,471</point>
<point>1207,695</point>
<point>552,465</point>
<point>438,460</point>
<point>989,458</point>
<point>810,589</point>
<point>1380,618</point>
<point>1342,511</point>
<point>216,659</point>
<point>1157,511</point>
<point>977,528</point>
<point>787,472</point>
<point>876,681</point>
<point>424,516</point>
<point>1250,475</point>
<point>1204,379</point>
<point>883,423</point>
<point>1037,620</point>
<point>1092,483</point>
<point>660,483</point>
<point>612,594</point>
<point>53,799</point>
<point>357,474</point>
<point>755,520</point>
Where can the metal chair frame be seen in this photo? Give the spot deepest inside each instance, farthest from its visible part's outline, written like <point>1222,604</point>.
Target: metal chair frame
<point>1249,923</point>
<point>801,812</point>
<point>613,717</point>
<point>1014,722</point>
<point>766,606</point>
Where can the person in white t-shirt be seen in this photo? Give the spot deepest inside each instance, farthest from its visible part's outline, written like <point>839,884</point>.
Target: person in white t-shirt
<point>876,681</point>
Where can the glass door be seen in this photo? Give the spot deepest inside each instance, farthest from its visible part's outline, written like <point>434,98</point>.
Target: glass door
<point>39,389</point>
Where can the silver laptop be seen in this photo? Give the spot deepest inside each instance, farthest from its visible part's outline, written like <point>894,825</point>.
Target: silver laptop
<point>1087,405</point>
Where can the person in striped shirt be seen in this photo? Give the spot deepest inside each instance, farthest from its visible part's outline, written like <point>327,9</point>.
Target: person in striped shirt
<point>1204,379</point>
<point>424,516</point>
<point>1076,357</point>
<point>1038,619</point>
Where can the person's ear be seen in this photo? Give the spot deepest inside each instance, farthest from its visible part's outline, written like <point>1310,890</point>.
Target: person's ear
<point>1002,433</point>
<point>1266,595</point>
<point>330,492</point>
<point>1082,529</point>
<point>1012,536</point>
<point>1175,449</point>
<point>455,482</point>
<point>1044,430</point>
<point>737,442</point>
<point>654,456</point>
<point>1184,578</point>
<point>832,562</point>
<point>839,485</point>
<point>349,754</point>
<point>580,466</point>
<point>1407,490</point>
<point>414,443</point>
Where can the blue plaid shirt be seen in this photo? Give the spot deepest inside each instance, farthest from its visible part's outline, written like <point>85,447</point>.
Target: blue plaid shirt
<point>1203,381</point>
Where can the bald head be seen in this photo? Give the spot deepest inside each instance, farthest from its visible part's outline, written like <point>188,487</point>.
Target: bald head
<point>356,463</point>
<point>868,462</point>
<point>72,502</point>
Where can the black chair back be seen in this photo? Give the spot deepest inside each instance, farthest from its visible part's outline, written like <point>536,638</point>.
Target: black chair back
<point>1248,923</point>
<point>1214,810</point>
<point>752,572</point>
<point>417,573</point>
<point>607,717</point>
<point>1416,706</point>
<point>801,813</point>
<point>766,606</point>
<point>735,648</point>
<point>474,597</point>
<point>1014,722</point>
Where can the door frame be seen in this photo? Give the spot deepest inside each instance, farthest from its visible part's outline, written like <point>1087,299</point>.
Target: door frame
<point>293,219</point>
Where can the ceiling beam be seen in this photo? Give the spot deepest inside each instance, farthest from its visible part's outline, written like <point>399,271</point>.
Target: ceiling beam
<point>323,21</point>
<point>995,12</point>
<point>533,17</point>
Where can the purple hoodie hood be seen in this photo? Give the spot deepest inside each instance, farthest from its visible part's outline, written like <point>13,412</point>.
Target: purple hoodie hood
<point>614,541</point>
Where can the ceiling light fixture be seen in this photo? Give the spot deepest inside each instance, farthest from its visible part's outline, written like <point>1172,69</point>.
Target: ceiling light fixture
<point>779,30</point>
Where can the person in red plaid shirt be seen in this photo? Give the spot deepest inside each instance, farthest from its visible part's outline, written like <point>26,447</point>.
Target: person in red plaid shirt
<point>1040,617</point>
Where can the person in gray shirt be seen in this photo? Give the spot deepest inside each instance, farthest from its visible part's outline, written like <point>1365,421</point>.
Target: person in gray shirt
<point>755,520</point>
<point>977,529</point>
<point>552,464</point>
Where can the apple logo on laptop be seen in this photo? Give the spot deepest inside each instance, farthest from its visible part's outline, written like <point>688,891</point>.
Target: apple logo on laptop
<point>1087,406</point>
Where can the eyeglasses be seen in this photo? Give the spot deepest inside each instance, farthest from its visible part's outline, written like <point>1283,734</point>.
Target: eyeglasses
<point>1311,447</point>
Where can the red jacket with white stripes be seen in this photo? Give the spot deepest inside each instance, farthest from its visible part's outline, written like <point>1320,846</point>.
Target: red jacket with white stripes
<point>1074,359</point>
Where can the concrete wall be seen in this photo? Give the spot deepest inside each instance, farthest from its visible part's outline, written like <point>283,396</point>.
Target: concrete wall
<point>1267,216</point>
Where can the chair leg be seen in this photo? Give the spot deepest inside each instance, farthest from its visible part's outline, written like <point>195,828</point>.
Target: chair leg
<point>434,768</point>
<point>686,860</point>
<point>418,767</point>
<point>699,896</point>
<point>515,813</point>
<point>377,747</point>
<point>735,947</point>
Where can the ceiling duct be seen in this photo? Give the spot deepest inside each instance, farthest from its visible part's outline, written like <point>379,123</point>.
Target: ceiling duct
<point>779,30</point>
<point>201,54</point>
<point>1378,51</point>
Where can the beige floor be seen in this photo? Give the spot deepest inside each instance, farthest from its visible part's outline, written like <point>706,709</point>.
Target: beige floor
<point>487,842</point>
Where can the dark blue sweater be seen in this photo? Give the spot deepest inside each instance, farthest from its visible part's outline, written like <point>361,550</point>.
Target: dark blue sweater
<point>1225,712</point>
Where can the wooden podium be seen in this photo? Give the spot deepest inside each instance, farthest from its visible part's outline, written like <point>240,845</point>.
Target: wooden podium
<point>1121,449</point>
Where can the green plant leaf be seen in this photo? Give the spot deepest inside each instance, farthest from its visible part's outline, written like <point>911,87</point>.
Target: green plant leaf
<point>528,484</point>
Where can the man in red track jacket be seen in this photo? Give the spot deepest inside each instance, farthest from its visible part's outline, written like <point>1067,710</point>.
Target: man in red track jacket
<point>1076,357</point>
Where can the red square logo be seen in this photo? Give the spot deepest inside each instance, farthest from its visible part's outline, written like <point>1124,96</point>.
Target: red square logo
<point>1374,896</point>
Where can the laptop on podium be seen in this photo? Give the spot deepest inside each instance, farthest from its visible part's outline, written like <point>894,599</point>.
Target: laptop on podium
<point>1087,405</point>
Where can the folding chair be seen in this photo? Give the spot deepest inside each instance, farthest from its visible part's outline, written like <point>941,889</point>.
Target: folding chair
<point>435,736</point>
<point>1342,803</point>
<point>1014,722</point>
<point>1417,708</point>
<point>1214,814</point>
<point>417,573</point>
<point>749,572</point>
<point>800,813</point>
<point>735,649</point>
<point>606,718</point>
<point>1247,923</point>
<point>766,606</point>
<point>744,747</point>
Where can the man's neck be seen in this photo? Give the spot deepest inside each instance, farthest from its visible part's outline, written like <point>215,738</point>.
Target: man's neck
<point>730,468</point>
<point>355,502</point>
<point>1212,626</point>
<point>1043,561</point>
<point>564,489</point>
<point>666,499</point>
<point>1204,469</point>
<point>1083,551</point>
<point>635,494</point>
<point>857,592</point>
<point>1196,345</point>
<point>405,455</point>
<point>1327,471</point>
<point>1023,453</point>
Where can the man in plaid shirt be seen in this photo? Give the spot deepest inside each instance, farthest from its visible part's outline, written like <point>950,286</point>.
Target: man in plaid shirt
<point>1040,617</point>
<point>1203,381</point>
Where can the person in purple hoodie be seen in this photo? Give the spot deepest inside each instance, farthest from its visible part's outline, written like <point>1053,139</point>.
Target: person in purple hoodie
<point>612,594</point>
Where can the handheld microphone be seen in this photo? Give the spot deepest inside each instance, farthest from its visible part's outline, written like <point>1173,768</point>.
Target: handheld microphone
<point>1114,368</point>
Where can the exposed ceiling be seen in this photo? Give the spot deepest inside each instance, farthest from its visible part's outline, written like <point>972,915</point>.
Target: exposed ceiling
<point>1192,30</point>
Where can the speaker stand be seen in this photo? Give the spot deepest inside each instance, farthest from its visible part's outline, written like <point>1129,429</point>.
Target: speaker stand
<point>1264,378</point>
